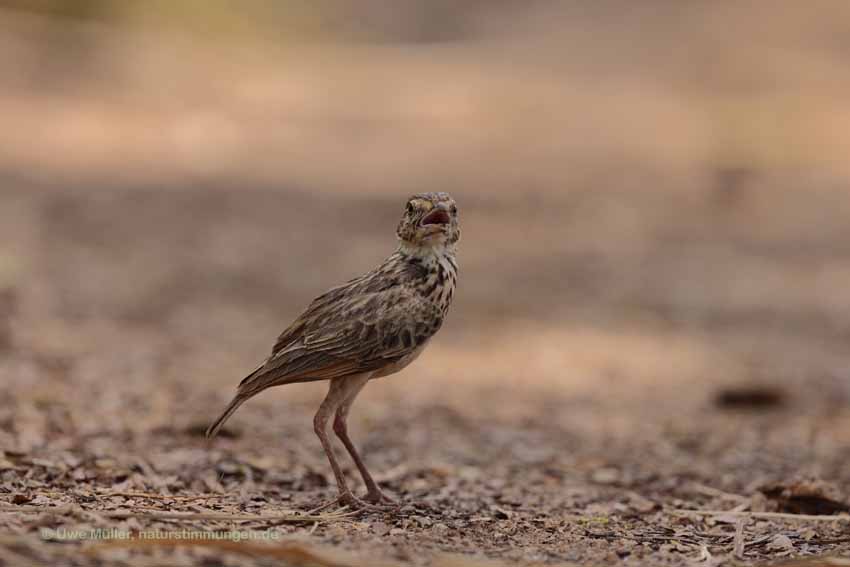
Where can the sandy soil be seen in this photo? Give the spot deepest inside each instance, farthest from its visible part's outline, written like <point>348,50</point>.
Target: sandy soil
<point>557,424</point>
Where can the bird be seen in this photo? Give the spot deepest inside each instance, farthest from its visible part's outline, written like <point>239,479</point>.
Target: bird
<point>370,327</point>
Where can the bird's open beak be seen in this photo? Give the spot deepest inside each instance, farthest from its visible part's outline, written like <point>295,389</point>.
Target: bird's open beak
<point>439,216</point>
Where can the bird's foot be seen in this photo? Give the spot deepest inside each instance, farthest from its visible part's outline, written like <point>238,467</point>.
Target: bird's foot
<point>378,498</point>
<point>365,505</point>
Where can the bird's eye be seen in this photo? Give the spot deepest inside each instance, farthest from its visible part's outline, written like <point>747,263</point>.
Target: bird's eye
<point>454,209</point>
<point>409,207</point>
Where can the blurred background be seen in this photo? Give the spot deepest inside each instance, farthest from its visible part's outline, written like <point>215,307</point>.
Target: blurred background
<point>654,199</point>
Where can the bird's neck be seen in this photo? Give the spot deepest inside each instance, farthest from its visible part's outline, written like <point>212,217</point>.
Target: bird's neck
<point>427,253</point>
<point>435,269</point>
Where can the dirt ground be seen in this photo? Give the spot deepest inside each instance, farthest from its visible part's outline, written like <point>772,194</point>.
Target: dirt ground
<point>646,362</point>
<point>556,425</point>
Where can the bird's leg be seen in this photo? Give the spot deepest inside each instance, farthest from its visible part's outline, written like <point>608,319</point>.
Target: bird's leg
<point>353,386</point>
<point>320,423</point>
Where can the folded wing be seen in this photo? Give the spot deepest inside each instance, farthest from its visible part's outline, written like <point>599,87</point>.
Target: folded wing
<point>347,333</point>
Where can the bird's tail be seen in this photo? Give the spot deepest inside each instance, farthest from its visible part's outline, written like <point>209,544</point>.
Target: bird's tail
<point>250,386</point>
<point>243,392</point>
<point>234,404</point>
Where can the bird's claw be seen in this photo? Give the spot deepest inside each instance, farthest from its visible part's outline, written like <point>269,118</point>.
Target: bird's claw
<point>368,504</point>
<point>378,498</point>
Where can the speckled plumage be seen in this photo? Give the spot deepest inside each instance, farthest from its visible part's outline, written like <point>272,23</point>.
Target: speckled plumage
<point>369,327</point>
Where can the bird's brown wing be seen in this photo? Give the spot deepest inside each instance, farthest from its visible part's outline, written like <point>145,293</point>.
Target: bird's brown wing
<point>347,333</point>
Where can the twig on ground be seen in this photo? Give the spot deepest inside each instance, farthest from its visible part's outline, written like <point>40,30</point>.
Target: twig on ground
<point>738,542</point>
<point>764,515</point>
<point>154,496</point>
<point>326,505</point>
<point>290,517</point>
<point>61,510</point>
<point>191,516</point>
<point>132,494</point>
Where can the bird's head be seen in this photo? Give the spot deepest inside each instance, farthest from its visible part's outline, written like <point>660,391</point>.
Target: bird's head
<point>429,220</point>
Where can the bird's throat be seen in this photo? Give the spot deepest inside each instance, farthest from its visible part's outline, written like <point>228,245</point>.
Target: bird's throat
<point>428,252</point>
<point>436,269</point>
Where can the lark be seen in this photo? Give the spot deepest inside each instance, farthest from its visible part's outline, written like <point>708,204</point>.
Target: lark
<point>372,326</point>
